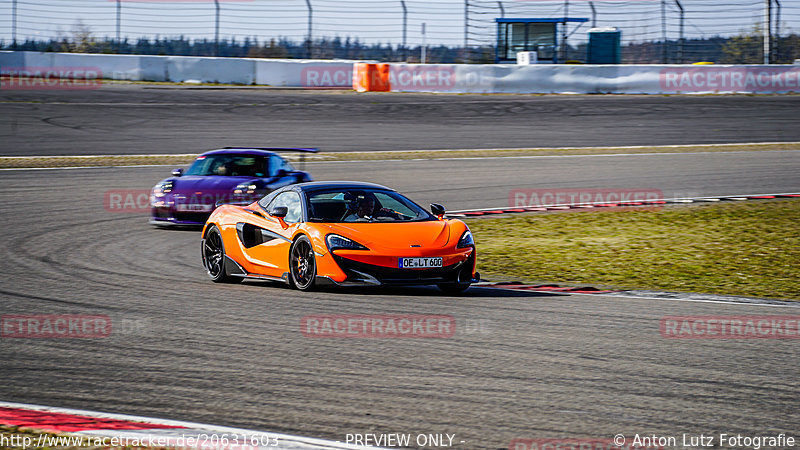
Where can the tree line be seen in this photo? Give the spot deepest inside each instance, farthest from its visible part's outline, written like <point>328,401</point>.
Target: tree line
<point>746,48</point>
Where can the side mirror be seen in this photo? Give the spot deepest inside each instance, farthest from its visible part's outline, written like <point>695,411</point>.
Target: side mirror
<point>437,210</point>
<point>177,172</point>
<point>280,173</point>
<point>279,211</point>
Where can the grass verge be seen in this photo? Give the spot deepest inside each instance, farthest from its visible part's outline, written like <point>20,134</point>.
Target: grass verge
<point>748,248</point>
<point>17,162</point>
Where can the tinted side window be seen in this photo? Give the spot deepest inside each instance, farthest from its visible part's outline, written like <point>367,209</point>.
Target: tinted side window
<point>277,163</point>
<point>291,200</point>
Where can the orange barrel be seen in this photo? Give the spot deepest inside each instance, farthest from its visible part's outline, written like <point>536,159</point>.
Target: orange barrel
<point>369,77</point>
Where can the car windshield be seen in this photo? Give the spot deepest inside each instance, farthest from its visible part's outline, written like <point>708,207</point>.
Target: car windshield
<point>363,205</point>
<point>230,166</point>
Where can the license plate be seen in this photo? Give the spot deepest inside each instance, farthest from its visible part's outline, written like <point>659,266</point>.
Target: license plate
<point>193,207</point>
<point>419,263</point>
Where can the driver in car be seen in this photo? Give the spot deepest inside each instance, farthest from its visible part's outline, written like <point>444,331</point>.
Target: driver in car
<point>365,209</point>
<point>223,169</point>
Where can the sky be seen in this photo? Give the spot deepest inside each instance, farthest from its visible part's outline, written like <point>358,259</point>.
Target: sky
<point>378,20</point>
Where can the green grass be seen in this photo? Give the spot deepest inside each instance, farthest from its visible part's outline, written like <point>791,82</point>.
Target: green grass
<point>748,248</point>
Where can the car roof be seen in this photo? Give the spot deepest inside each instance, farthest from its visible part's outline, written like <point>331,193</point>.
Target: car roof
<point>324,185</point>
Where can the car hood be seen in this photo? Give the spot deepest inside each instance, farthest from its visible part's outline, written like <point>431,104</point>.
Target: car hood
<point>395,235</point>
<point>201,185</point>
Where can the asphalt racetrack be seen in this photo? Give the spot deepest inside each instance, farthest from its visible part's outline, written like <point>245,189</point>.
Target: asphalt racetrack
<point>520,365</point>
<point>164,119</point>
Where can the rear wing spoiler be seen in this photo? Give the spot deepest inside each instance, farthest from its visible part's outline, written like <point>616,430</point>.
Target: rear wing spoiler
<point>302,151</point>
<point>277,149</point>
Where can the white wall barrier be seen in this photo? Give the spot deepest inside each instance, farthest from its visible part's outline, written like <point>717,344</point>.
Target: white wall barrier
<point>115,67</point>
<point>305,73</point>
<point>591,79</point>
<point>287,72</point>
<point>118,67</point>
<point>455,78</point>
<point>210,70</point>
<point>12,59</point>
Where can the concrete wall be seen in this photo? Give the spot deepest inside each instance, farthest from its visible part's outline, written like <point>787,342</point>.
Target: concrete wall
<point>456,78</point>
<point>294,73</point>
<point>590,79</point>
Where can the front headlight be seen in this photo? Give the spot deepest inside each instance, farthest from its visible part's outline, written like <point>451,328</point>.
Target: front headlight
<point>466,240</point>
<point>245,188</point>
<point>335,242</point>
<point>163,188</point>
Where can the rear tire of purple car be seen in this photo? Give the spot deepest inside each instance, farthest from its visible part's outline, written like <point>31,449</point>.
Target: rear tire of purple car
<point>214,257</point>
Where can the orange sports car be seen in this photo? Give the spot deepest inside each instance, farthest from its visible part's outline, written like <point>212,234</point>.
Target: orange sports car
<point>341,233</point>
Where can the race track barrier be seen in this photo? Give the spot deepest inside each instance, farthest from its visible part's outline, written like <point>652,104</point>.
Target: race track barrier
<point>445,78</point>
<point>306,73</point>
<point>247,71</point>
<point>594,79</point>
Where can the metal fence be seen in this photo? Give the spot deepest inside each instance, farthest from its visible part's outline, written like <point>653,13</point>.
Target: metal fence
<point>653,31</point>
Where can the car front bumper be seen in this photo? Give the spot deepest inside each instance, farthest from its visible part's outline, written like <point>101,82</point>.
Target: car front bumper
<point>459,269</point>
<point>165,216</point>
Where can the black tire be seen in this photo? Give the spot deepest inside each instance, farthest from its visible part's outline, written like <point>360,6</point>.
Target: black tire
<point>214,257</point>
<point>453,288</point>
<point>302,264</point>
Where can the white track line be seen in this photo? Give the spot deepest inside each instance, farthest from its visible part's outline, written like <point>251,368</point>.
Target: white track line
<point>668,296</point>
<point>602,155</point>
<point>389,152</point>
<point>622,203</point>
<point>458,158</point>
<point>429,158</point>
<point>743,302</point>
<point>90,167</point>
<point>193,430</point>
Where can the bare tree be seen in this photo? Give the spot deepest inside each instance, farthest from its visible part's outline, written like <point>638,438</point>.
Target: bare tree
<point>746,48</point>
<point>81,39</point>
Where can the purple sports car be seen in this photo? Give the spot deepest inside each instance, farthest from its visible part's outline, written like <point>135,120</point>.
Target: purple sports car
<point>229,175</point>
